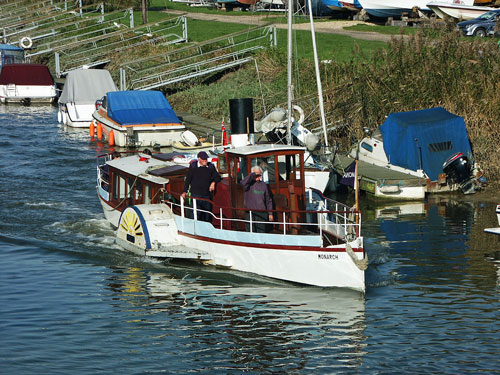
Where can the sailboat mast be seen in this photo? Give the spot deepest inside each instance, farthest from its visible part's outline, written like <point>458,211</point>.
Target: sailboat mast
<point>318,78</point>
<point>289,68</point>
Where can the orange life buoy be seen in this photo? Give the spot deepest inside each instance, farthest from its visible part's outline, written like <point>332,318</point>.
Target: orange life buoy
<point>92,129</point>
<point>111,138</point>
<point>99,131</point>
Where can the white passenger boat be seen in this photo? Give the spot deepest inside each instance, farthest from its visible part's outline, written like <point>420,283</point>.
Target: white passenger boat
<point>26,84</point>
<point>136,119</point>
<point>82,88</point>
<point>312,240</point>
<point>458,10</point>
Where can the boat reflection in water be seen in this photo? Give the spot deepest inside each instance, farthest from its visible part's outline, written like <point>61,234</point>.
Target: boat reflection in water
<point>247,321</point>
<point>437,241</point>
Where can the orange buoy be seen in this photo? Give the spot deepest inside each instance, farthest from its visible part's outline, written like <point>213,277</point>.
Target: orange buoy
<point>111,138</point>
<point>92,129</point>
<point>99,131</point>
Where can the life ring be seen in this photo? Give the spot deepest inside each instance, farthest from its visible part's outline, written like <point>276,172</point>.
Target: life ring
<point>301,114</point>
<point>26,42</point>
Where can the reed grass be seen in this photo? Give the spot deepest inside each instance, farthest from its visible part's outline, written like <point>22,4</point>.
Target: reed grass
<point>462,75</point>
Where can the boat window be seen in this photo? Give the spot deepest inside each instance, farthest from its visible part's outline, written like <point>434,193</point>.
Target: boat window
<point>122,190</point>
<point>239,168</point>
<point>268,168</point>
<point>130,187</point>
<point>440,146</point>
<point>116,185</point>
<point>147,194</point>
<point>222,164</point>
<point>138,192</point>
<point>367,147</point>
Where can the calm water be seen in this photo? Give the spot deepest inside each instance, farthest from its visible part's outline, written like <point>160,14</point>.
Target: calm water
<point>71,302</point>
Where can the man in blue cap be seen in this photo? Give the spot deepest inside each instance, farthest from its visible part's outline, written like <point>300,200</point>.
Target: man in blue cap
<point>200,180</point>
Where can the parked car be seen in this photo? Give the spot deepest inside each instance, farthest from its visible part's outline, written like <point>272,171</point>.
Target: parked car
<point>481,26</point>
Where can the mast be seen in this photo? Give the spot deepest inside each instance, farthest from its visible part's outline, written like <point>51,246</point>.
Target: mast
<point>289,69</point>
<point>318,78</point>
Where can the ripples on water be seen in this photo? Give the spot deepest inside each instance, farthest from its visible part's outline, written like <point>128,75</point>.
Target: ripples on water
<point>73,302</point>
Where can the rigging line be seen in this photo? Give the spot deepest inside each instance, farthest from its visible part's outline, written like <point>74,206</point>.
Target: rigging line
<point>260,86</point>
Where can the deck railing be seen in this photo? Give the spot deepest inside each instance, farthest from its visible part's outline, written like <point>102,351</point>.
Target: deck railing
<point>343,223</point>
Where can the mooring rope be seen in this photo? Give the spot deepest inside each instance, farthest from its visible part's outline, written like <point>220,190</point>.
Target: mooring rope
<point>362,264</point>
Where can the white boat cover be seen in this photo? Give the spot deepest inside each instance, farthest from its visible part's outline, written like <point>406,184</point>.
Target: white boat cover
<point>85,86</point>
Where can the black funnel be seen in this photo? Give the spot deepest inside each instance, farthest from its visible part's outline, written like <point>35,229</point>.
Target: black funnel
<point>241,115</point>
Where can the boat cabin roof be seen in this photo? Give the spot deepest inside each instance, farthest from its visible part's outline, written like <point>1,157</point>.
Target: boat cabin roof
<point>148,168</point>
<point>263,148</point>
<point>10,47</point>
<point>26,74</point>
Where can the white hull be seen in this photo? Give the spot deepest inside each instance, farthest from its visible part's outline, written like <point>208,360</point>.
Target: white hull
<point>458,11</point>
<point>75,115</point>
<point>143,136</point>
<point>111,215</point>
<point>495,230</point>
<point>33,94</point>
<point>295,258</point>
<point>392,8</point>
<point>317,179</point>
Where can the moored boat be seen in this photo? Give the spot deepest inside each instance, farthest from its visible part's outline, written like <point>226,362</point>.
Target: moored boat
<point>306,243</point>
<point>136,119</point>
<point>392,8</point>
<point>414,153</point>
<point>81,90</point>
<point>458,10</point>
<point>495,230</point>
<point>26,84</point>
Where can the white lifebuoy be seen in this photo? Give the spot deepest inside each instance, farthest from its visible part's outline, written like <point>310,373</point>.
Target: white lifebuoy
<point>26,42</point>
<point>301,114</point>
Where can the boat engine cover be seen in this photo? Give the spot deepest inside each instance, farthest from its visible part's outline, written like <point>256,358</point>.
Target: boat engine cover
<point>457,168</point>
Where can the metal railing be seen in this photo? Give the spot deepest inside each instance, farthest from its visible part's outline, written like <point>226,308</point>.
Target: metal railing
<point>343,223</point>
<point>194,61</point>
<point>98,50</point>
<point>58,32</point>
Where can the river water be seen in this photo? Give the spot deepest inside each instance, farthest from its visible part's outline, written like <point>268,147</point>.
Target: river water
<point>72,302</point>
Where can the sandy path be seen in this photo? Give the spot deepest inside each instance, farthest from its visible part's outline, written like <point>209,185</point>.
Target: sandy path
<point>332,27</point>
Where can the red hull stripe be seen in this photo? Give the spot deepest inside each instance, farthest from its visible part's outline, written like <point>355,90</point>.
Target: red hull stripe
<point>268,246</point>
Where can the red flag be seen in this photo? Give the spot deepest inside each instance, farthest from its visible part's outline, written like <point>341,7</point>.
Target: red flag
<point>224,134</point>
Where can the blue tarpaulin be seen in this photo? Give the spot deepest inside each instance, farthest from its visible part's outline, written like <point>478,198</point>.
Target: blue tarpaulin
<point>424,139</point>
<point>140,107</point>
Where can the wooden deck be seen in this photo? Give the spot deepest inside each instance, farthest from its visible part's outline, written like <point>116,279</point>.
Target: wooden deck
<point>201,126</point>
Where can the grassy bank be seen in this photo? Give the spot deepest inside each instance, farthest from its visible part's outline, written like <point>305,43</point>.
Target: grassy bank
<point>461,75</point>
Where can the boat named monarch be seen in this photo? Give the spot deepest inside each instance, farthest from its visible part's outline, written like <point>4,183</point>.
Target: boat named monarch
<point>136,118</point>
<point>312,240</point>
